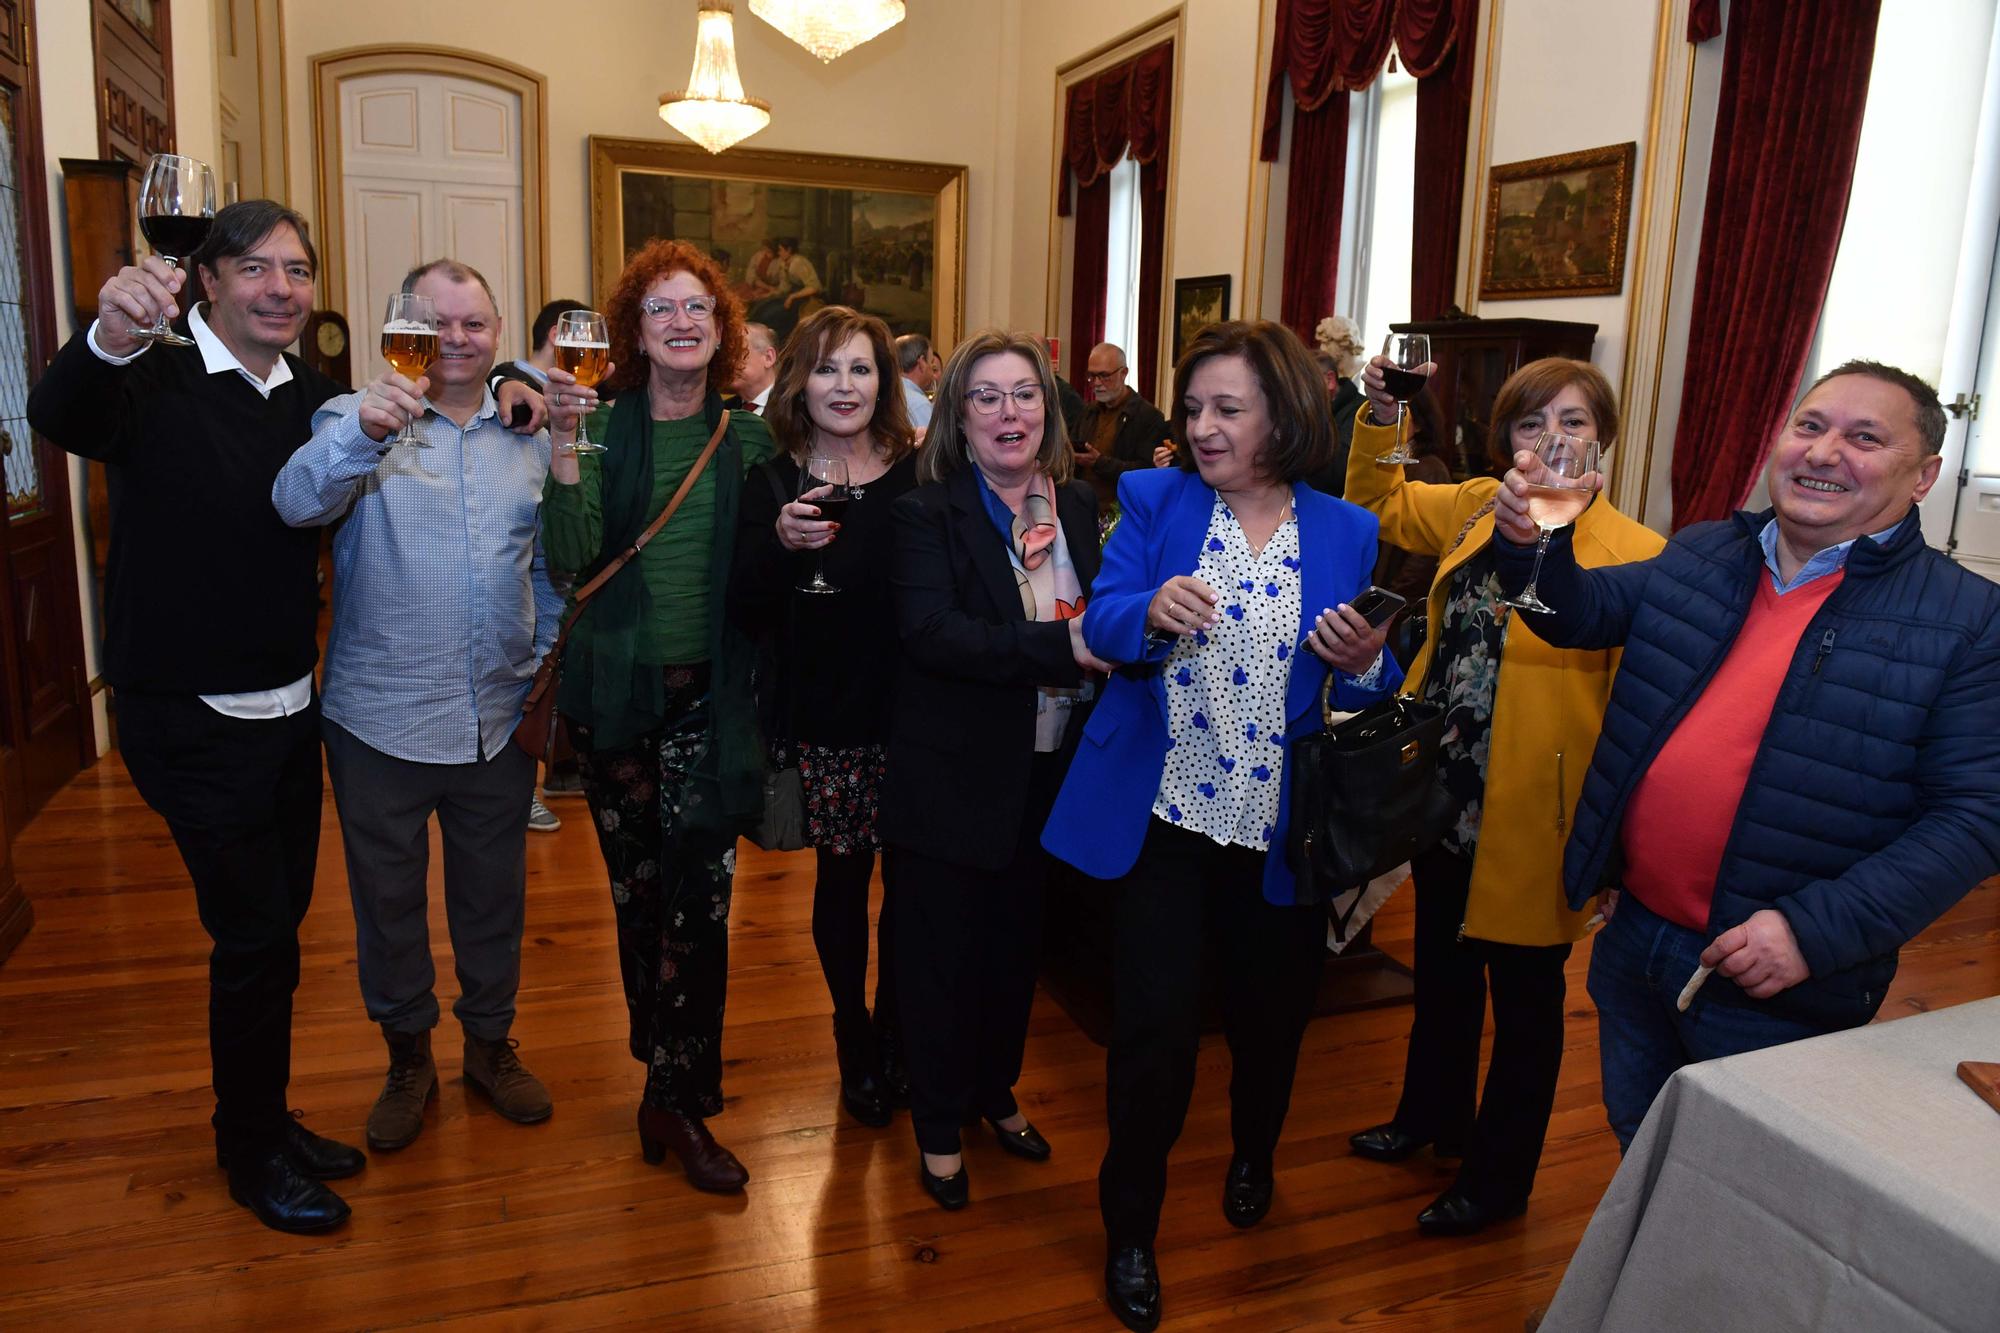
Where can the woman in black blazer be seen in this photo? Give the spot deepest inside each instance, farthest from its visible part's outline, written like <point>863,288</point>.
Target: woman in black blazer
<point>993,557</point>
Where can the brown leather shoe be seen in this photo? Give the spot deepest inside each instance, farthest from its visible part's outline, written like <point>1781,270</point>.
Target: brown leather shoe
<point>708,1164</point>
<point>494,1069</point>
<point>398,1116</point>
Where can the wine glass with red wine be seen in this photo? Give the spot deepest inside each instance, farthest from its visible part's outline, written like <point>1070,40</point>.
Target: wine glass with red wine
<point>1569,471</point>
<point>1404,381</point>
<point>817,474</point>
<point>176,209</point>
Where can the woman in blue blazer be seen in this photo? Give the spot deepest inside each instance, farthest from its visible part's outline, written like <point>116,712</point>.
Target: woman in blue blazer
<point>1223,593</point>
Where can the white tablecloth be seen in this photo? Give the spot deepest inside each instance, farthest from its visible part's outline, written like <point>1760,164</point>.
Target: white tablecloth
<point>1847,1182</point>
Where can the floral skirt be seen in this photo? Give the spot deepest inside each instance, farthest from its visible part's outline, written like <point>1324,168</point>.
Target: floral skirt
<point>843,790</point>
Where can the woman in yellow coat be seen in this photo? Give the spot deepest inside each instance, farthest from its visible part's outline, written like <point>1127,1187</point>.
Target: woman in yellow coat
<point>1521,721</point>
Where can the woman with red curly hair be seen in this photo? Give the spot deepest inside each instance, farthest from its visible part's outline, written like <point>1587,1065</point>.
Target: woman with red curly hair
<point>656,685</point>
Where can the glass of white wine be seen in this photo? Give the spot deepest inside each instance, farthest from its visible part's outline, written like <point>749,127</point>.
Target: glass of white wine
<point>1570,472</point>
<point>583,349</point>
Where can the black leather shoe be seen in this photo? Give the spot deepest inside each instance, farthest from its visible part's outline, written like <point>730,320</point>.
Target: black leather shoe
<point>862,1091</point>
<point>951,1192</point>
<point>265,1181</point>
<point>1452,1214</point>
<point>1246,1193</point>
<point>1388,1143</point>
<point>312,1154</point>
<point>1026,1142</point>
<point>1132,1288</point>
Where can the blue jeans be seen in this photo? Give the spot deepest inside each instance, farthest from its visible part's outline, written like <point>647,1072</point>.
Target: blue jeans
<point>1638,965</point>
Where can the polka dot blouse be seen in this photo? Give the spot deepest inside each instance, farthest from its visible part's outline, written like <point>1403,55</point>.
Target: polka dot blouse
<point>1226,689</point>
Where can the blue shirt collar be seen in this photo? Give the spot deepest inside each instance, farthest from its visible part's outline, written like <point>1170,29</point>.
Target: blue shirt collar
<point>1824,561</point>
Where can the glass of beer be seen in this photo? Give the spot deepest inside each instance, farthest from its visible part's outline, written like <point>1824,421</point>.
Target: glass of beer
<point>1571,470</point>
<point>583,349</point>
<point>410,344</point>
<point>176,209</point>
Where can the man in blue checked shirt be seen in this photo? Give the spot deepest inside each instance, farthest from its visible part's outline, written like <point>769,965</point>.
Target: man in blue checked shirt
<point>442,609</point>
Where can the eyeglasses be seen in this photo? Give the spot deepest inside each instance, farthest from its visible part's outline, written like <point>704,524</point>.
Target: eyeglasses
<point>1103,374</point>
<point>660,309</point>
<point>987,402</point>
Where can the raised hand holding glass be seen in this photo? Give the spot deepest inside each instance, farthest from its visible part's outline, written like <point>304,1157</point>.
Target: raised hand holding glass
<point>176,209</point>
<point>410,344</point>
<point>824,472</point>
<point>1569,472</point>
<point>583,349</point>
<point>1404,381</point>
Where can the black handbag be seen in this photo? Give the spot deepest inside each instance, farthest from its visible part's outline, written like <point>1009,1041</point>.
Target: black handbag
<point>1365,797</point>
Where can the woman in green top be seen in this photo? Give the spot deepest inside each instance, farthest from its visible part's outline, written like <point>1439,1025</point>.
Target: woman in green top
<point>656,683</point>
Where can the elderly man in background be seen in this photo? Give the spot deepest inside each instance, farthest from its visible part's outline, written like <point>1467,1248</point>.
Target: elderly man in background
<point>1120,429</point>
<point>442,609</point>
<point>760,368</point>
<point>1798,769</point>
<point>920,368</point>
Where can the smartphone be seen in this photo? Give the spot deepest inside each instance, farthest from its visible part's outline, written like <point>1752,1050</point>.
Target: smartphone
<point>1376,605</point>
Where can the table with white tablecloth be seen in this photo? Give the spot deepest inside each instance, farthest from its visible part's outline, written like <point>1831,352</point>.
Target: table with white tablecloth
<point>1846,1182</point>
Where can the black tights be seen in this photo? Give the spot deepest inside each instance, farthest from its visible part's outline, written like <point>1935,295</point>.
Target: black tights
<point>840,934</point>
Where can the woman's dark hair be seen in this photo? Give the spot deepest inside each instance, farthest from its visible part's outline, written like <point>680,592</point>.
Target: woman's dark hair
<point>1301,443</point>
<point>660,259</point>
<point>945,448</point>
<point>817,336</point>
<point>1533,387</point>
<point>241,227</point>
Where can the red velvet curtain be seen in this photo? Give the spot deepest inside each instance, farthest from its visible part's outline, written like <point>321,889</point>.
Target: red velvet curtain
<point>1437,40</point>
<point>1126,109</point>
<point>1704,20</point>
<point>1327,49</point>
<point>1087,275</point>
<point>1794,85</point>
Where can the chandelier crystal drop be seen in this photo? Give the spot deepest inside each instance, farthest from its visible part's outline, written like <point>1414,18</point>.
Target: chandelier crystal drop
<point>713,111</point>
<point>829,28</point>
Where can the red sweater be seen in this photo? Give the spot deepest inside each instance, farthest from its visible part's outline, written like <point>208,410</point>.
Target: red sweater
<point>1681,813</point>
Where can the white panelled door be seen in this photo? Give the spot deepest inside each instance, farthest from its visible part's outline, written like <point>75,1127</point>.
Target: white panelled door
<point>430,168</point>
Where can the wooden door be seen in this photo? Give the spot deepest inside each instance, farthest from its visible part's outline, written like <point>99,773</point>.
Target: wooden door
<point>431,167</point>
<point>45,735</point>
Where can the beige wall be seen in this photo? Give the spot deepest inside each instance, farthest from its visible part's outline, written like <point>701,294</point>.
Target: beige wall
<point>930,89</point>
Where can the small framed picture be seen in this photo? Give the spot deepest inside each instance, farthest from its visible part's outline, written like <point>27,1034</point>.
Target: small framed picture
<point>1555,226</point>
<point>1198,302</point>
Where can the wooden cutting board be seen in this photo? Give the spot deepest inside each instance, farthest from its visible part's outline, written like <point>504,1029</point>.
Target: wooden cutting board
<point>1983,1078</point>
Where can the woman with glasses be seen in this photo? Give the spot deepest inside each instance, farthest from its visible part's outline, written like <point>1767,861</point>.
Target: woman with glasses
<point>656,686</point>
<point>994,555</point>
<point>837,395</point>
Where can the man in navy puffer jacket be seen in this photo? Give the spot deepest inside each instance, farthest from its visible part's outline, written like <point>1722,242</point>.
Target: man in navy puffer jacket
<point>1800,762</point>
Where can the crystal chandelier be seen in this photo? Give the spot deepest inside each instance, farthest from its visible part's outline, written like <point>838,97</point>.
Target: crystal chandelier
<point>829,28</point>
<point>713,110</point>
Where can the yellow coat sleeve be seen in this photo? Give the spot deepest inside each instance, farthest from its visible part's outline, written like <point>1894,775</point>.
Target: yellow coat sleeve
<point>1414,515</point>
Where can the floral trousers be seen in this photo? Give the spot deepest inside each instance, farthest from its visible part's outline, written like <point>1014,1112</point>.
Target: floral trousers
<point>670,891</point>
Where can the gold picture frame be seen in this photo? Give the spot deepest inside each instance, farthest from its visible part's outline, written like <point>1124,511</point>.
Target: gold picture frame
<point>1557,226</point>
<point>885,235</point>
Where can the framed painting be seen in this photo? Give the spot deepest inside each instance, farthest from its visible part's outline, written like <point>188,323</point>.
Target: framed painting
<point>1198,302</point>
<point>1556,226</point>
<point>883,236</point>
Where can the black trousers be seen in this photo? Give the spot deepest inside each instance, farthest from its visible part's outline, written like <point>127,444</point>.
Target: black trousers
<point>1502,1140</point>
<point>243,802</point>
<point>1184,891</point>
<point>968,943</point>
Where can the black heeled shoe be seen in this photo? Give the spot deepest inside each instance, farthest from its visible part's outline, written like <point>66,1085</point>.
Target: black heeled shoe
<point>951,1192</point>
<point>1390,1143</point>
<point>1132,1288</point>
<point>861,1089</point>
<point>1026,1142</point>
<point>1453,1214</point>
<point>1246,1193</point>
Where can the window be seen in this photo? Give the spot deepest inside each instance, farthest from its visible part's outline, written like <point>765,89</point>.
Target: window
<point>1380,212</point>
<point>1121,277</point>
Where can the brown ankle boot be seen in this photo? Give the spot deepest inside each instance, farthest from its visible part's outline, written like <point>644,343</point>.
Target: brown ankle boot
<point>708,1164</point>
<point>398,1116</point>
<point>494,1069</point>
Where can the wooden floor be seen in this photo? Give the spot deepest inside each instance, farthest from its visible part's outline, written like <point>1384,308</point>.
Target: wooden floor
<point>112,1212</point>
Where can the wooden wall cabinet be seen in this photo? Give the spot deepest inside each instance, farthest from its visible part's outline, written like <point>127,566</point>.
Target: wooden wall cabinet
<point>1474,358</point>
<point>101,201</point>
